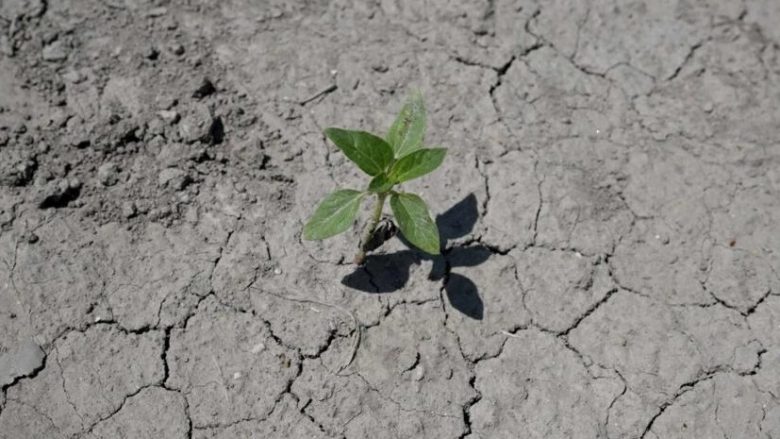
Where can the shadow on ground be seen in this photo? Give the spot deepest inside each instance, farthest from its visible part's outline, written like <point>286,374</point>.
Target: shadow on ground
<point>388,273</point>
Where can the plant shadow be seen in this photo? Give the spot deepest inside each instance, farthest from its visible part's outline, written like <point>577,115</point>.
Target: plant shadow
<point>388,273</point>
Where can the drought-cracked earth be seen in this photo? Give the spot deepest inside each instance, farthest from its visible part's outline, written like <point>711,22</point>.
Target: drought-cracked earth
<point>610,209</point>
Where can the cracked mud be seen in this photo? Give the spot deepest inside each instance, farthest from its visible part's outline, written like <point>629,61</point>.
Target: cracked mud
<point>610,209</point>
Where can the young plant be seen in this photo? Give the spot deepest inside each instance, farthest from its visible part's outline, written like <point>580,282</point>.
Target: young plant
<point>397,158</point>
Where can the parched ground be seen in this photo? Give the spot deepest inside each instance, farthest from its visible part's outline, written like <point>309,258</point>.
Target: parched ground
<point>610,206</point>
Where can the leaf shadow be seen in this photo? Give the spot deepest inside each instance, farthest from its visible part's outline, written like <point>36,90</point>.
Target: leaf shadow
<point>389,272</point>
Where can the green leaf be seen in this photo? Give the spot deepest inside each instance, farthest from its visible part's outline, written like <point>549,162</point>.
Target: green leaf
<point>407,132</point>
<point>371,153</point>
<point>416,224</point>
<point>417,164</point>
<point>334,215</point>
<point>380,183</point>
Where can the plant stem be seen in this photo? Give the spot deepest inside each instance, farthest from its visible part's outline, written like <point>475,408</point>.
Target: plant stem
<point>360,257</point>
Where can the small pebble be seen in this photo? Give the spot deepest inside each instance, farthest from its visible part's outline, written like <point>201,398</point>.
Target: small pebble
<point>419,372</point>
<point>108,174</point>
<point>73,76</point>
<point>128,209</point>
<point>6,47</point>
<point>169,23</point>
<point>205,88</point>
<point>157,12</point>
<point>258,348</point>
<point>151,53</point>
<point>177,49</point>
<point>166,102</point>
<point>173,177</point>
<point>55,52</point>
<point>142,206</point>
<point>155,127</point>
<point>169,116</point>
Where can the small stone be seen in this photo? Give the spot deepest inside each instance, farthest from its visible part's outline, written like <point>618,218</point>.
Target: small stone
<point>154,128</point>
<point>111,135</point>
<point>73,77</point>
<point>32,238</point>
<point>41,180</point>
<point>74,184</point>
<point>160,213</point>
<point>17,171</point>
<point>177,49</point>
<point>49,37</point>
<point>166,102</point>
<point>260,347</point>
<point>157,12</point>
<point>174,178</point>
<point>379,67</point>
<point>169,116</point>
<point>276,12</point>
<point>418,372</point>
<point>170,23</point>
<point>142,206</point>
<point>151,53</point>
<point>108,174</point>
<point>78,135</point>
<point>27,139</point>
<point>57,193</point>
<point>128,209</point>
<point>205,88</point>
<point>6,48</point>
<point>200,125</point>
<point>55,52</point>
<point>237,375</point>
<point>43,148</point>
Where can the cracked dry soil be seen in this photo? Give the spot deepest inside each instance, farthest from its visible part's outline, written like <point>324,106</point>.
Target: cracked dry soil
<point>610,207</point>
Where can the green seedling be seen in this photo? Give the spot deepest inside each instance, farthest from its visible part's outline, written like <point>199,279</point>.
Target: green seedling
<point>396,159</point>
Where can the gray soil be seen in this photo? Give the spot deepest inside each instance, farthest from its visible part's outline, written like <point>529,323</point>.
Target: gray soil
<point>610,205</point>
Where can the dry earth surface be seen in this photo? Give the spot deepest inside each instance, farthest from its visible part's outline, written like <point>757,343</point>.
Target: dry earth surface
<point>610,206</point>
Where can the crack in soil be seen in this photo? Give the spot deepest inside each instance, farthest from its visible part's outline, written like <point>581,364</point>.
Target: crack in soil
<point>25,27</point>
<point>614,400</point>
<point>64,387</point>
<point>687,387</point>
<point>538,213</point>
<point>31,375</point>
<point>590,311</point>
<point>686,60</point>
